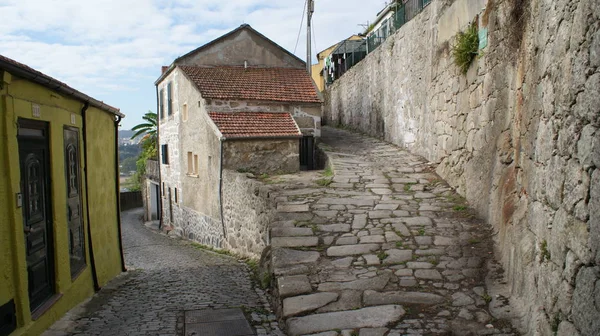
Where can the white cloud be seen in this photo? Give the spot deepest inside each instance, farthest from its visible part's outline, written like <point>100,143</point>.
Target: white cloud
<point>110,46</point>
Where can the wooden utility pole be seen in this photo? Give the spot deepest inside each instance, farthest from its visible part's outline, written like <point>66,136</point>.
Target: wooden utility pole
<point>310,9</point>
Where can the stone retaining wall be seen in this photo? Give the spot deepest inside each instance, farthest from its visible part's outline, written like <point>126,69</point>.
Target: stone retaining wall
<point>247,211</point>
<point>518,135</point>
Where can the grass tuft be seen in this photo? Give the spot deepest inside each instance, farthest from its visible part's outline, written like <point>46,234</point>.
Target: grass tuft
<point>466,48</point>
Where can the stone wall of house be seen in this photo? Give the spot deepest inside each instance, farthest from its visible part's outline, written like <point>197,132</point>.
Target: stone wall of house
<point>518,135</point>
<point>307,116</point>
<point>169,127</point>
<point>264,156</point>
<point>248,209</point>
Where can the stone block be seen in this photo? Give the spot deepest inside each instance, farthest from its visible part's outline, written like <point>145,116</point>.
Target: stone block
<point>396,256</point>
<point>304,303</point>
<point>334,228</point>
<point>347,250</point>
<point>292,207</point>
<point>285,257</point>
<point>374,298</point>
<point>371,317</point>
<point>375,283</point>
<point>293,285</point>
<point>294,241</point>
<point>290,232</point>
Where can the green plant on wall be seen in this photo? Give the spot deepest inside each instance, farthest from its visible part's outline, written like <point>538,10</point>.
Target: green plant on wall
<point>466,47</point>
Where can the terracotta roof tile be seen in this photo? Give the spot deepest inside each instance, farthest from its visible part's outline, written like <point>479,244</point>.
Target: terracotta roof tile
<point>255,124</point>
<point>270,84</point>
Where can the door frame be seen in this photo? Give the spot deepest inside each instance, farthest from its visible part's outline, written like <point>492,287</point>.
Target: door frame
<point>44,141</point>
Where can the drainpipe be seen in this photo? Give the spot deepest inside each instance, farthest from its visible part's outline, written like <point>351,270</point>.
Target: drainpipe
<point>87,198</point>
<point>160,187</point>
<point>118,191</point>
<point>221,189</point>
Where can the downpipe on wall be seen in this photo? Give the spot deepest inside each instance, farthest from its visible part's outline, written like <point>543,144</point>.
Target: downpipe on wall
<point>221,188</point>
<point>118,191</point>
<point>87,197</point>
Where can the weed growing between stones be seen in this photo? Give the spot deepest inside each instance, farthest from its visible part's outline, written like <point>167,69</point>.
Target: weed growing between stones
<point>382,255</point>
<point>324,182</point>
<point>544,250</point>
<point>459,208</point>
<point>327,172</point>
<point>487,298</point>
<point>474,241</point>
<point>466,47</point>
<point>421,232</point>
<point>399,244</point>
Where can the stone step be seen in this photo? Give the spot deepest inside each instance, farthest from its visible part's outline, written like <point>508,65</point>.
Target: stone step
<point>371,317</point>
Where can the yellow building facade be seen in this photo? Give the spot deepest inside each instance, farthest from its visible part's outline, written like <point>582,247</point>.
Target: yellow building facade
<point>317,69</point>
<point>59,216</point>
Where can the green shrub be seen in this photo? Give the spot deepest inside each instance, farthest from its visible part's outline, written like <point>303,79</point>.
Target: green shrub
<point>466,48</point>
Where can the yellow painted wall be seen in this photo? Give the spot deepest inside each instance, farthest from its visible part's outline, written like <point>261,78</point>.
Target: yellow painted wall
<point>317,69</point>
<point>102,193</point>
<point>16,99</point>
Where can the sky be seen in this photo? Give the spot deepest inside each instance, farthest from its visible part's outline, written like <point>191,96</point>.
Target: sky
<point>113,50</point>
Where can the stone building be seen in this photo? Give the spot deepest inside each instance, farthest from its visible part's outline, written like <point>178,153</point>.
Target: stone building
<point>240,102</point>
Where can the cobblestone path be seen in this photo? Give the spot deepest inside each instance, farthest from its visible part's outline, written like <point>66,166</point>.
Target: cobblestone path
<point>167,277</point>
<point>387,248</point>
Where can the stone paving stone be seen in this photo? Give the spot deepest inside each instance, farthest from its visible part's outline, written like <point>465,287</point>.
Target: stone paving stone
<point>294,241</point>
<point>285,257</point>
<point>412,221</point>
<point>376,283</point>
<point>439,240</point>
<point>429,274</point>
<point>334,227</point>
<point>347,241</point>
<point>346,250</point>
<point>418,264</point>
<point>293,285</point>
<point>371,317</point>
<point>386,206</point>
<point>373,331</point>
<point>380,214</point>
<point>291,232</point>
<point>373,298</point>
<point>381,191</point>
<point>346,201</point>
<point>372,239</point>
<point>299,304</point>
<point>396,256</point>
<point>293,207</point>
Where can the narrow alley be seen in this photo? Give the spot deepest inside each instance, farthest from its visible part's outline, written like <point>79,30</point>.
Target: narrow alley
<point>167,279</point>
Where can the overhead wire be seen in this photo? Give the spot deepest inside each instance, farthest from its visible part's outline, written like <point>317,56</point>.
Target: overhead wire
<point>301,22</point>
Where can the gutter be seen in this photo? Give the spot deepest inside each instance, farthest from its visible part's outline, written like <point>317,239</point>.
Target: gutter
<point>118,191</point>
<point>49,82</point>
<point>87,198</point>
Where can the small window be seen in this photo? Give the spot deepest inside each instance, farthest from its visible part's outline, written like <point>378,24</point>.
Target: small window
<point>170,98</point>
<point>164,188</point>
<point>184,112</point>
<point>175,195</point>
<point>209,162</point>
<point>161,103</point>
<point>190,158</point>
<point>165,154</point>
<point>195,164</point>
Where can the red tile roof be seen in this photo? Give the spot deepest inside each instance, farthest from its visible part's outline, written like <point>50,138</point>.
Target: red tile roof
<point>239,83</point>
<point>255,124</point>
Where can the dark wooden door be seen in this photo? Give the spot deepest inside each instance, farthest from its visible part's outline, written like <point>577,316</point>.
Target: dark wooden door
<point>34,159</point>
<point>307,153</point>
<point>74,219</point>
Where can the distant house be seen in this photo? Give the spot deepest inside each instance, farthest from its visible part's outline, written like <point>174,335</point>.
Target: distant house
<point>59,214</point>
<point>317,69</point>
<point>240,102</point>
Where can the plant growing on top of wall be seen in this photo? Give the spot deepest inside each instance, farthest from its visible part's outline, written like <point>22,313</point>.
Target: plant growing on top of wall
<point>466,47</point>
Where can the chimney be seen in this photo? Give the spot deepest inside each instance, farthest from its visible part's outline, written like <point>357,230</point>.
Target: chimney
<point>165,68</point>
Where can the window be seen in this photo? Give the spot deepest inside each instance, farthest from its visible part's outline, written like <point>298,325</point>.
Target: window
<point>170,98</point>
<point>195,164</point>
<point>190,158</point>
<point>184,112</point>
<point>175,195</point>
<point>165,154</point>
<point>161,104</point>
